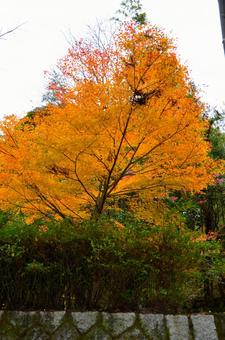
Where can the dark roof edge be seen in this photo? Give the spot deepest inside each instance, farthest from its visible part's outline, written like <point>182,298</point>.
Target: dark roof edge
<point>222,20</point>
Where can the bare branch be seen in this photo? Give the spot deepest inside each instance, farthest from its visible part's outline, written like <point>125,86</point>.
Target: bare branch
<point>2,35</point>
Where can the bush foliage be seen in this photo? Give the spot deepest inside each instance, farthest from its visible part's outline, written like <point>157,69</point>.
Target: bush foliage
<point>102,265</point>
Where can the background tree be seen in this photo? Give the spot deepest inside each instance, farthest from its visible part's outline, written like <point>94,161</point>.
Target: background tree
<point>211,200</point>
<point>205,211</point>
<point>131,9</point>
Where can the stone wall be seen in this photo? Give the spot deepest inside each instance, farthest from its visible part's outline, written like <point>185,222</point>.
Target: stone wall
<point>103,326</point>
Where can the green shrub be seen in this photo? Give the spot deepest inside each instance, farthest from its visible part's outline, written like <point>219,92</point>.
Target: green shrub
<point>98,265</point>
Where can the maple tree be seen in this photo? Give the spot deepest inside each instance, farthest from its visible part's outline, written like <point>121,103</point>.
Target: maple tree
<point>128,123</point>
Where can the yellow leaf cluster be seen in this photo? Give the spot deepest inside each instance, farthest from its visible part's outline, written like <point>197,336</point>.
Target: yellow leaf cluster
<point>129,122</point>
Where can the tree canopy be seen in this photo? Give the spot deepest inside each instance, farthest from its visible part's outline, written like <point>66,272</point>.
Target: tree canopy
<point>128,123</point>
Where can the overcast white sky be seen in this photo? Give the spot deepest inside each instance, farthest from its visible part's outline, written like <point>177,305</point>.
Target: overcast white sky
<point>40,42</point>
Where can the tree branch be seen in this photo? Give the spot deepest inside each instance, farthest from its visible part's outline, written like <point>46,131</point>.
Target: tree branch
<point>2,35</point>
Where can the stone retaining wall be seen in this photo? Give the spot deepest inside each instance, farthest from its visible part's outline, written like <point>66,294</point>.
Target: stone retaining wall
<point>60,325</point>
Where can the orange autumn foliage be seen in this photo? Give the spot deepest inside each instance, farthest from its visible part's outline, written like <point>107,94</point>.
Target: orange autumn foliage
<point>128,122</point>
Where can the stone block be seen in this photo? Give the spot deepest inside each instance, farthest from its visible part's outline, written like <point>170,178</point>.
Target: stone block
<point>20,319</point>
<point>97,334</point>
<point>117,323</point>
<point>66,332</point>
<point>153,325</point>
<point>84,321</point>
<point>14,324</point>
<point>51,320</point>
<point>204,327</point>
<point>35,333</point>
<point>178,327</point>
<point>134,334</point>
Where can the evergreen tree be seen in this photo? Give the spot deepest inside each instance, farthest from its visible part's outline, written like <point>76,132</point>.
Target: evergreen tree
<point>131,9</point>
